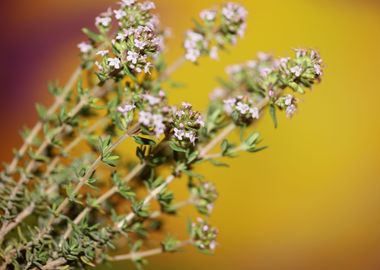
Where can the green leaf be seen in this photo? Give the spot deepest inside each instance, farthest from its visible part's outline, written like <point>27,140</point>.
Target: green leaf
<point>170,244</point>
<point>111,160</point>
<point>252,138</point>
<point>87,261</point>
<point>192,157</point>
<point>54,89</point>
<point>92,35</point>
<point>256,149</point>
<point>126,192</point>
<point>217,163</point>
<point>272,112</point>
<point>80,87</point>
<point>143,141</point>
<point>193,174</point>
<point>140,153</point>
<point>176,147</point>
<point>42,111</point>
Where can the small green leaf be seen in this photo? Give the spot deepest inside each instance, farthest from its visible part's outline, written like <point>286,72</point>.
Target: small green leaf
<point>272,112</point>
<point>170,244</point>
<point>217,163</point>
<point>111,160</point>
<point>252,138</point>
<point>42,111</point>
<point>143,141</point>
<point>92,35</point>
<point>176,147</point>
<point>87,261</point>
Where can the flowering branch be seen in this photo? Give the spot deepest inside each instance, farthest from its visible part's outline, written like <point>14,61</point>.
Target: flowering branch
<point>79,208</point>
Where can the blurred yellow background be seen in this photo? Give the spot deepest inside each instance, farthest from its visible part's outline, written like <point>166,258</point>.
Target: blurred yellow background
<point>311,200</point>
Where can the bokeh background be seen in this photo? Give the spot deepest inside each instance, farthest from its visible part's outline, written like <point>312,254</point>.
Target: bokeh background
<point>311,200</point>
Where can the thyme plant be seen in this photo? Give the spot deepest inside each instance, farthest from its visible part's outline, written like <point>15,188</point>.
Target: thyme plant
<point>70,198</point>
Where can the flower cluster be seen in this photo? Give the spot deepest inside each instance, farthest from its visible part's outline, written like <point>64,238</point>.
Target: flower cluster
<point>186,124</point>
<point>132,49</point>
<point>135,44</point>
<point>104,20</point>
<point>205,196</point>
<point>234,20</point>
<point>203,235</point>
<point>267,77</point>
<point>288,103</point>
<point>85,47</point>
<point>154,113</point>
<point>217,29</point>
<point>301,71</point>
<point>241,109</point>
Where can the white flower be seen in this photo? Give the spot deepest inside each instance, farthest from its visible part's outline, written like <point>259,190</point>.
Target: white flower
<point>147,67</point>
<point>127,3</point>
<point>194,42</point>
<point>262,56</point>
<point>255,113</point>
<point>192,55</point>
<point>208,15</point>
<point>317,69</point>
<point>252,64</point>
<point>300,52</point>
<point>120,36</point>
<point>228,12</point>
<point>234,12</point>
<point>296,70</point>
<point>124,109</point>
<point>233,69</point>
<point>214,53</point>
<point>290,110</point>
<point>200,121</point>
<point>193,37</point>
<point>152,100</point>
<point>191,136</point>
<point>288,100</point>
<point>217,93</point>
<point>284,61</point>
<point>103,21</point>
<point>145,118</point>
<point>102,53</point>
<point>180,113</point>
<point>147,5</point>
<point>84,47</point>
<point>158,123</point>
<point>179,133</point>
<point>114,62</point>
<point>229,104</point>
<point>242,29</point>
<point>140,44</point>
<point>98,65</point>
<point>242,107</point>
<point>119,14</point>
<point>264,72</point>
<point>212,245</point>
<point>132,57</point>
<point>187,105</point>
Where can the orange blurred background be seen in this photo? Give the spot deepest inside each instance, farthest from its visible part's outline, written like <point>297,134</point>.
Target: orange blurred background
<point>311,200</point>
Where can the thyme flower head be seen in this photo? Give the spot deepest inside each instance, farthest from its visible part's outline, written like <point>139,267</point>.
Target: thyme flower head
<point>186,124</point>
<point>204,235</point>
<point>241,109</point>
<point>217,28</point>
